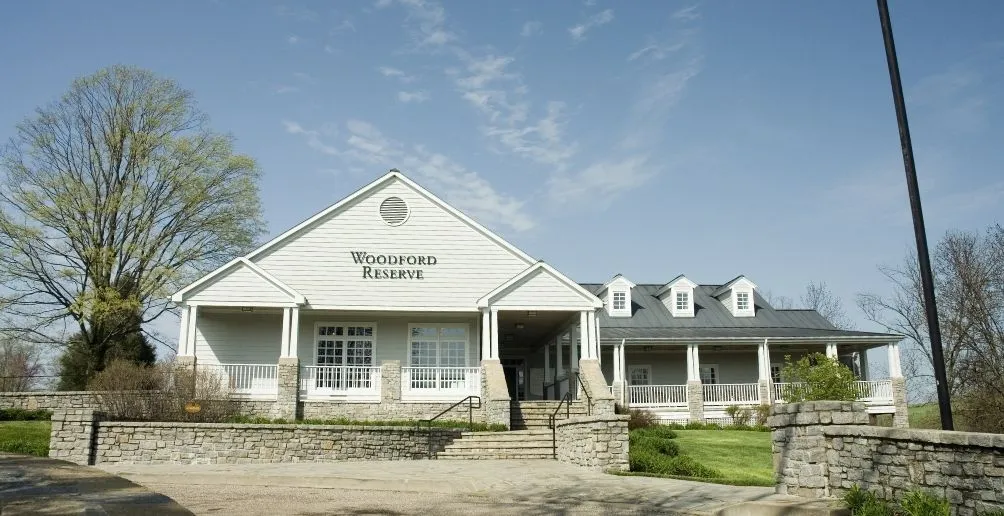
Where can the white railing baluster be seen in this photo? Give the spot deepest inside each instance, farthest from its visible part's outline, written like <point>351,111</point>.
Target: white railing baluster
<point>440,383</point>
<point>724,394</point>
<point>346,382</point>
<point>246,380</point>
<point>657,395</point>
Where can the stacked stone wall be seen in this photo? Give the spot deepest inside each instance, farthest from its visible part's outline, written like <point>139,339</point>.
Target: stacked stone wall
<point>596,442</point>
<point>823,449</point>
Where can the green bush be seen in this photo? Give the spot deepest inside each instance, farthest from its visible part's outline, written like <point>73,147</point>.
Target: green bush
<point>641,419</point>
<point>818,377</point>
<point>913,503</point>
<point>921,503</point>
<point>740,415</point>
<point>17,414</point>
<point>653,450</point>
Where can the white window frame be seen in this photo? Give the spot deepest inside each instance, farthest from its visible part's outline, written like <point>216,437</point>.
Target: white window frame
<point>317,337</point>
<point>613,301</point>
<point>749,303</point>
<point>632,368</point>
<point>715,372</point>
<point>439,327</point>
<point>686,300</point>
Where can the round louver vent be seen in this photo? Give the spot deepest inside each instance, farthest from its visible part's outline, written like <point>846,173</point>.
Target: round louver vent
<point>394,211</point>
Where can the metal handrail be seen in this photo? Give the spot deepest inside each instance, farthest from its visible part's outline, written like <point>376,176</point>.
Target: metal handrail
<point>555,384</point>
<point>589,399</point>
<point>566,400</point>
<point>470,417</point>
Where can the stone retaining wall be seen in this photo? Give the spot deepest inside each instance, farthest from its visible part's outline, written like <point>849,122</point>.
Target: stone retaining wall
<point>822,449</point>
<point>78,437</point>
<point>597,442</point>
<point>49,400</point>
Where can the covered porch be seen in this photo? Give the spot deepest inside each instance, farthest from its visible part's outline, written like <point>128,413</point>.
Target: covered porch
<point>699,381</point>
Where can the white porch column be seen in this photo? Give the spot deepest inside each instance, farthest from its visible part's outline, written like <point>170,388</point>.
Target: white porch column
<point>762,362</point>
<point>584,334</point>
<point>895,369</point>
<point>573,353</point>
<point>294,331</point>
<point>559,368</point>
<point>494,354</point>
<point>831,349</point>
<point>285,333</point>
<point>190,334</point>
<point>183,332</point>
<point>486,334</point>
<point>622,363</point>
<point>596,337</point>
<point>617,361</point>
<point>693,363</point>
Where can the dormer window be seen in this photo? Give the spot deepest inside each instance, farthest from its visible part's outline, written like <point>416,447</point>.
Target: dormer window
<point>618,296</point>
<point>742,301</point>
<point>682,301</point>
<point>620,301</point>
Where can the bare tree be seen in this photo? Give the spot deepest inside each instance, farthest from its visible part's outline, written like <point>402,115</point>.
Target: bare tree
<point>778,302</point>
<point>818,297</point>
<point>111,199</point>
<point>20,364</point>
<point>969,285</point>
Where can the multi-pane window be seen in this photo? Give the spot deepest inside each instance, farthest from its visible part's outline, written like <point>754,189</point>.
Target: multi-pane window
<point>434,347</point>
<point>620,300</point>
<point>345,349</point>
<point>640,375</point>
<point>709,374</point>
<point>742,301</point>
<point>775,373</point>
<point>682,301</point>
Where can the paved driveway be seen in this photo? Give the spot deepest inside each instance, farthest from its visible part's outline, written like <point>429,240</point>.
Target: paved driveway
<point>428,488</point>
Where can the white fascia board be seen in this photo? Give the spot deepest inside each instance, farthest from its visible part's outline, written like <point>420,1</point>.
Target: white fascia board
<point>297,298</point>
<point>675,282</point>
<point>864,339</point>
<point>618,278</point>
<point>485,300</point>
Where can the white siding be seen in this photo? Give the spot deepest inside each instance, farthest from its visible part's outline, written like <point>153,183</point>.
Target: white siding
<point>542,290</point>
<point>391,333</point>
<point>318,264</point>
<point>238,338</point>
<point>240,285</point>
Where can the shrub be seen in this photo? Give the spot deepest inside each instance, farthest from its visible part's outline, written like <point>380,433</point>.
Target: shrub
<point>818,377</point>
<point>740,415</point>
<point>865,503</point>
<point>641,419</point>
<point>922,503</point>
<point>17,414</point>
<point>761,413</point>
<point>170,391</point>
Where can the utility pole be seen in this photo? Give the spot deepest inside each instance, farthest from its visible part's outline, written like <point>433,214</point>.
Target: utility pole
<point>920,233</point>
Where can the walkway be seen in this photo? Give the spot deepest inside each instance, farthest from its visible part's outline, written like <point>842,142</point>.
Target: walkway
<point>428,487</point>
<point>34,485</point>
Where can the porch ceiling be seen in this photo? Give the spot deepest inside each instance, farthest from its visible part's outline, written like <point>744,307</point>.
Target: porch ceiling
<point>517,328</point>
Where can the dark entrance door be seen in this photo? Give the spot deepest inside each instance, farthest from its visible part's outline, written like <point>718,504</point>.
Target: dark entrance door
<point>515,377</point>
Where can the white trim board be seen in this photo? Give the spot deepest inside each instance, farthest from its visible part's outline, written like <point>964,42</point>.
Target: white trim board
<point>515,281</point>
<point>295,297</point>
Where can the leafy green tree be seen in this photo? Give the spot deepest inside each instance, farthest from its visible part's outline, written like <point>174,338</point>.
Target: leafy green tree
<point>111,199</point>
<point>78,364</point>
<point>818,377</point>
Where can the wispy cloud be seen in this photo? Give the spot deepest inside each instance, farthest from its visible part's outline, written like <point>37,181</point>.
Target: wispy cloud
<point>395,73</point>
<point>366,146</point>
<point>427,24</point>
<point>530,28</point>
<point>286,88</point>
<point>293,39</point>
<point>687,13</point>
<point>579,31</point>
<point>601,182</point>
<point>412,96</point>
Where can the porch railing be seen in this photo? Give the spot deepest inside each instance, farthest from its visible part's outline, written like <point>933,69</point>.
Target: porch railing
<point>731,393</point>
<point>878,392</point>
<point>657,395</point>
<point>340,381</point>
<point>440,383</point>
<point>248,380</point>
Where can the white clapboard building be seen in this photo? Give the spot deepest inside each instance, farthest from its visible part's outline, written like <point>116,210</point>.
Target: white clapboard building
<point>391,304</point>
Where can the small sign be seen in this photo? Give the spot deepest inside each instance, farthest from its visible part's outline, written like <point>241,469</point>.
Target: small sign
<point>402,266</point>
<point>192,407</point>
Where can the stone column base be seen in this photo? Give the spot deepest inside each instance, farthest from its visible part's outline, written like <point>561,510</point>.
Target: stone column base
<point>620,394</point>
<point>288,396</point>
<point>495,394</point>
<point>695,400</point>
<point>901,419</point>
<point>765,394</point>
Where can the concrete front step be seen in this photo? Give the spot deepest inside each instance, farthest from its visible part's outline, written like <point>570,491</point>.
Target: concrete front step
<point>547,456</point>
<point>511,436</point>
<point>461,444</point>
<point>517,444</point>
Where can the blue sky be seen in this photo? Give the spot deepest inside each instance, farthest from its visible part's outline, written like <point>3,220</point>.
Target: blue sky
<point>649,138</point>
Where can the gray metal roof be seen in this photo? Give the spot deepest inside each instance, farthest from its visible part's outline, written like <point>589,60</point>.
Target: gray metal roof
<point>651,319</point>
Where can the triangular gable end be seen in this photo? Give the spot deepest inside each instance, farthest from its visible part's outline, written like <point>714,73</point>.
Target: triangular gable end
<point>540,287</point>
<point>239,283</point>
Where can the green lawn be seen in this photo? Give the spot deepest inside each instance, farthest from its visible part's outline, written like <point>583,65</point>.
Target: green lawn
<point>27,437</point>
<point>743,457</point>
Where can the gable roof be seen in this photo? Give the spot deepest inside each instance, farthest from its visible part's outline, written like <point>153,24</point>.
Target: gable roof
<point>206,280</point>
<point>362,192</point>
<point>530,271</point>
<point>651,319</point>
<point>726,287</point>
<point>617,277</point>
<point>672,283</point>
